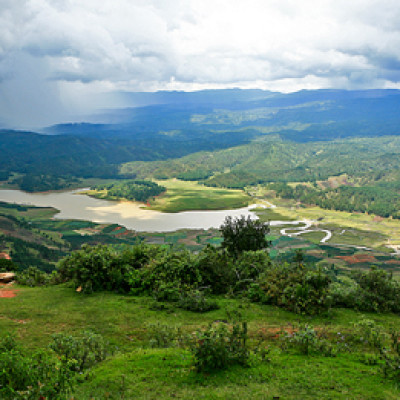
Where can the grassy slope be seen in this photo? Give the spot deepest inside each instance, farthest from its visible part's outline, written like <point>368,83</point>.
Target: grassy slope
<point>136,371</point>
<point>184,196</point>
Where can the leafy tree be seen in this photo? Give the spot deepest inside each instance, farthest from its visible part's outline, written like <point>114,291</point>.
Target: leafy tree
<point>243,234</point>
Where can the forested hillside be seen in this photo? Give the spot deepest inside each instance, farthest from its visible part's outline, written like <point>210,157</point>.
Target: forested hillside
<point>175,124</point>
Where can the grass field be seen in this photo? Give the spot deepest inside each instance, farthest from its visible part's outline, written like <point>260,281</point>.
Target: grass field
<point>185,196</point>
<point>136,371</point>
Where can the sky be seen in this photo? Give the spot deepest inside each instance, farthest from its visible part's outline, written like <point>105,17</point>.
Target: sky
<point>60,59</point>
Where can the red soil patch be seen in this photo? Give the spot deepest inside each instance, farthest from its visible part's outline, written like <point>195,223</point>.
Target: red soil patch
<point>393,262</point>
<point>7,293</point>
<point>5,256</point>
<point>358,258</point>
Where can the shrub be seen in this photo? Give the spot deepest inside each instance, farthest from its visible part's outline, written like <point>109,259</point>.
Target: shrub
<point>96,268</point>
<point>248,266</point>
<point>216,269</point>
<point>8,265</point>
<point>374,290</point>
<point>377,291</point>
<point>194,300</point>
<point>306,341</point>
<point>370,334</point>
<point>297,288</point>
<point>82,351</point>
<point>391,357</point>
<point>218,347</point>
<point>241,234</point>
<point>33,276</point>
<point>32,376</point>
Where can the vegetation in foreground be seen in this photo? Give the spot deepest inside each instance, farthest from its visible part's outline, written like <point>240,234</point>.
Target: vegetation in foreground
<point>226,322</point>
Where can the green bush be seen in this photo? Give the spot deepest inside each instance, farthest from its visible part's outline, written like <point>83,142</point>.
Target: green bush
<point>82,351</point>
<point>96,268</point>
<point>306,341</point>
<point>374,290</point>
<point>216,269</point>
<point>33,276</point>
<point>391,357</point>
<point>40,375</point>
<point>248,266</point>
<point>219,347</point>
<point>8,265</point>
<point>297,288</point>
<point>195,300</point>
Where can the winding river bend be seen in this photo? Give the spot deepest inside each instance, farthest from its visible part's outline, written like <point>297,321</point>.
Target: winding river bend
<point>135,216</point>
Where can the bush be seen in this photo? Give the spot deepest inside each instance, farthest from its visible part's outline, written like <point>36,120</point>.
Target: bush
<point>8,265</point>
<point>377,291</point>
<point>33,276</point>
<point>216,269</point>
<point>297,288</point>
<point>96,268</point>
<point>218,347</point>
<point>306,341</point>
<point>194,300</point>
<point>165,274</point>
<point>374,290</point>
<point>32,376</point>
<point>248,266</point>
<point>81,352</point>
<point>241,234</point>
<point>391,357</point>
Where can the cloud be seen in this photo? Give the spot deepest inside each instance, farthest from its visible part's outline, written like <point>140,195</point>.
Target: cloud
<point>88,47</point>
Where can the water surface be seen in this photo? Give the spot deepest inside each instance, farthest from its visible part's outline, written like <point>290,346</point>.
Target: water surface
<point>129,214</point>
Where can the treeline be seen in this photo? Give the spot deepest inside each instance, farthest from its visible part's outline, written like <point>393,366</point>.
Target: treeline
<point>137,190</point>
<point>381,199</point>
<point>44,182</point>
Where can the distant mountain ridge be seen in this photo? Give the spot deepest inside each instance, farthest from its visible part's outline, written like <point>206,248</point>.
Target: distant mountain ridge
<point>168,125</point>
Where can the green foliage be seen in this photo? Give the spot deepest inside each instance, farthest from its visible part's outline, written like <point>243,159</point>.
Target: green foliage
<point>241,234</point>
<point>391,357</point>
<point>195,300</point>
<point>81,352</point>
<point>138,190</point>
<point>380,199</point>
<point>43,182</point>
<point>306,341</point>
<point>27,376</point>
<point>373,290</point>
<point>248,266</point>
<point>216,269</point>
<point>7,265</point>
<point>370,334</point>
<point>33,276</point>
<point>101,268</point>
<point>297,288</point>
<point>221,346</point>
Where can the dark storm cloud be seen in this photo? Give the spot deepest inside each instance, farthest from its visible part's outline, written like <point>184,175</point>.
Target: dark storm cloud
<point>70,51</point>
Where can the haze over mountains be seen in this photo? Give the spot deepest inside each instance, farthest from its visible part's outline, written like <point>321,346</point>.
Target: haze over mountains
<point>168,125</point>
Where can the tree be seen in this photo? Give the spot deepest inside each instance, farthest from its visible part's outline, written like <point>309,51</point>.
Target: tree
<point>241,234</point>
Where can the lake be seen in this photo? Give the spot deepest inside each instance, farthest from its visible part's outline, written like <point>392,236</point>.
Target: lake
<point>132,215</point>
